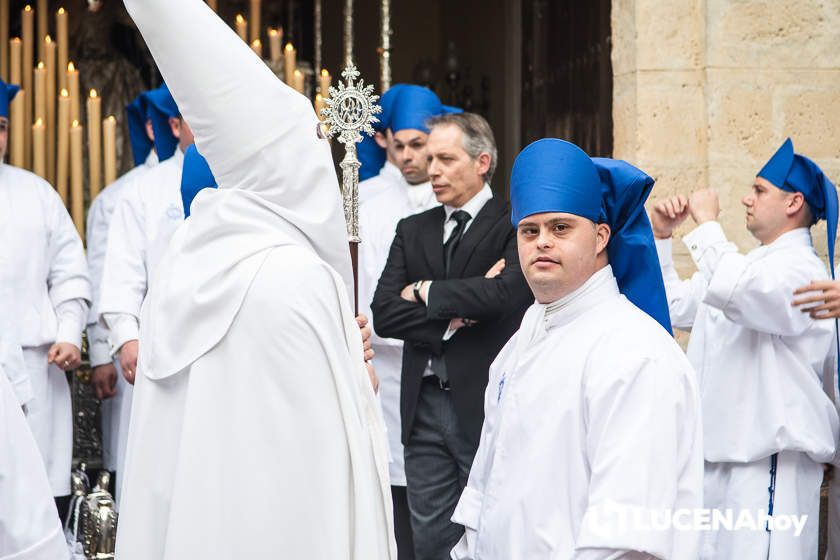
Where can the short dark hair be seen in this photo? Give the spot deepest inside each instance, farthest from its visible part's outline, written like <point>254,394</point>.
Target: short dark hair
<point>478,136</point>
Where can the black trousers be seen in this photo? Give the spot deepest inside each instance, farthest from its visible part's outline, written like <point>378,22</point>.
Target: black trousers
<point>438,457</point>
<point>402,523</point>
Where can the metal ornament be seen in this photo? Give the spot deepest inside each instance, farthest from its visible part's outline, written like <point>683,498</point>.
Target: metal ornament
<point>351,110</point>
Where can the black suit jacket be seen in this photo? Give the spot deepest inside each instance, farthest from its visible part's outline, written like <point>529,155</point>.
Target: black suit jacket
<point>497,304</point>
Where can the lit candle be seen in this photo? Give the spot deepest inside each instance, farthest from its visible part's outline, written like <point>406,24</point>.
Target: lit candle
<point>41,12</point>
<point>27,26</point>
<point>62,38</point>
<point>15,61</point>
<point>256,46</point>
<point>4,40</point>
<point>241,27</point>
<point>213,5</point>
<point>275,39</point>
<point>94,123</point>
<point>298,81</point>
<point>17,157</point>
<point>73,90</point>
<point>39,149</point>
<point>77,196</point>
<point>255,19</point>
<point>62,172</point>
<point>49,50</point>
<point>109,149</point>
<point>40,77</point>
<point>319,104</point>
<point>324,82</point>
<point>290,64</point>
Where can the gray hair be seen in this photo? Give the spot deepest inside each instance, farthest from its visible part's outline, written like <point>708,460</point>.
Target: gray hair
<point>478,136</point>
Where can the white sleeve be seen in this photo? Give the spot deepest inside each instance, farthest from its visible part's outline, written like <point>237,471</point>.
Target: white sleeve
<point>123,327</point>
<point>124,276</point>
<point>755,294</point>
<point>97,239</point>
<point>67,279</point>
<point>684,296</point>
<point>72,315</point>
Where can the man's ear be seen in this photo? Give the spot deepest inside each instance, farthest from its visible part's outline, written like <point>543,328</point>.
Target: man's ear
<point>175,126</point>
<point>483,163</point>
<point>381,141</point>
<point>795,203</point>
<point>602,237</point>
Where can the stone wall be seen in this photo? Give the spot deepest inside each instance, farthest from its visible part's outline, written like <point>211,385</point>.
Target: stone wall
<point>705,91</point>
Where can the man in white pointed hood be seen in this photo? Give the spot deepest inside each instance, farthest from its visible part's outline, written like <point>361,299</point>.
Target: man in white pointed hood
<point>255,431</point>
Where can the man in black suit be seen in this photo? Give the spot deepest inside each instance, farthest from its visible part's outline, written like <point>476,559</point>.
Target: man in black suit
<point>453,291</point>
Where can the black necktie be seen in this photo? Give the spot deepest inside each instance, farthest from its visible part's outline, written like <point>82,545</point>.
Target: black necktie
<point>461,218</point>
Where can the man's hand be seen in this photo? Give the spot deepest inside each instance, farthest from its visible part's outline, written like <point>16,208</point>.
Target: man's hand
<point>704,206</point>
<point>367,332</point>
<point>128,359</point>
<point>408,293</point>
<point>667,215</point>
<point>496,269</point>
<point>64,355</point>
<point>822,301</point>
<point>104,381</point>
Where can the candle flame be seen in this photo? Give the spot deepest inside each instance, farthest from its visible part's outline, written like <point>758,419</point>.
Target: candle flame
<point>318,98</point>
<point>64,93</point>
<point>61,11</point>
<point>239,18</point>
<point>75,124</point>
<point>111,118</point>
<point>27,8</point>
<point>41,66</point>
<point>289,47</point>
<point>48,39</point>
<point>71,67</point>
<point>324,72</point>
<point>39,122</point>
<point>93,94</point>
<point>256,43</point>
<point>272,32</point>
<point>16,40</point>
<point>297,73</point>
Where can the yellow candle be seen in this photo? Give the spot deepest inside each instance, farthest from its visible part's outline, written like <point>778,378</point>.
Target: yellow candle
<point>275,39</point>
<point>73,90</point>
<point>62,172</point>
<point>63,39</point>
<point>214,5</point>
<point>77,195</point>
<point>4,40</point>
<point>255,18</point>
<point>40,77</point>
<point>15,61</point>
<point>319,104</point>
<point>290,64</point>
<point>41,12</point>
<point>298,81</point>
<point>18,153</point>
<point>324,82</point>
<point>109,149</point>
<point>94,120</point>
<point>27,23</point>
<point>49,50</point>
<point>241,27</point>
<point>39,149</point>
<point>256,46</point>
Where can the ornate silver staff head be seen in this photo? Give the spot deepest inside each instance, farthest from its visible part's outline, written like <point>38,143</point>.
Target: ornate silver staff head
<point>351,109</point>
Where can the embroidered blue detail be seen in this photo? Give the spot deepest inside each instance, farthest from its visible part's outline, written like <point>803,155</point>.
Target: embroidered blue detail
<point>501,388</point>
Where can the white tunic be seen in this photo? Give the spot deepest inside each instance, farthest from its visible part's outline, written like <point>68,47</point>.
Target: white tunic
<point>42,262</point>
<point>389,178</point>
<point>99,347</point>
<point>378,218</point>
<point>590,413</point>
<point>761,364</point>
<point>256,432</point>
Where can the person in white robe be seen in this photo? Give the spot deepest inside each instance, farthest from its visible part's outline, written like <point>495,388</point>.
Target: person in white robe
<point>592,415</point>
<point>380,171</point>
<point>768,423</point>
<point>42,262</point>
<point>109,386</point>
<point>255,431</point>
<point>378,218</point>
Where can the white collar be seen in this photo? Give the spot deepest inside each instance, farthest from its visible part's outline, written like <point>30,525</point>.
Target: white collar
<point>595,290</point>
<point>473,205</point>
<point>389,169</point>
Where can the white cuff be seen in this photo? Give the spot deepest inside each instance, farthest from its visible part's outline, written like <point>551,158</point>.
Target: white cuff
<point>69,331</point>
<point>123,327</point>
<point>99,353</point>
<point>664,250</point>
<point>701,238</point>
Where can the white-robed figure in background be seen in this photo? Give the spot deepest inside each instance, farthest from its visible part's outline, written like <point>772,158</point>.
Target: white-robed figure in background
<point>379,169</point>
<point>768,423</point>
<point>412,193</point>
<point>255,432</point>
<point>109,386</point>
<point>592,425</point>
<point>42,262</point>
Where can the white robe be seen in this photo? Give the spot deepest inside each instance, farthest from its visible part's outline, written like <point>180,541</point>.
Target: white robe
<point>99,347</point>
<point>378,218</point>
<point>590,413</point>
<point>29,524</point>
<point>42,262</point>
<point>389,179</point>
<point>256,432</point>
<point>761,364</point>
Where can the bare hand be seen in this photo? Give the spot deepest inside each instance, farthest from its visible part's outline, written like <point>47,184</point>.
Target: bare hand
<point>104,381</point>
<point>367,332</point>
<point>374,381</point>
<point>408,293</point>
<point>667,215</point>
<point>128,359</point>
<point>704,206</point>
<point>822,301</point>
<point>65,355</point>
<point>496,269</point>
